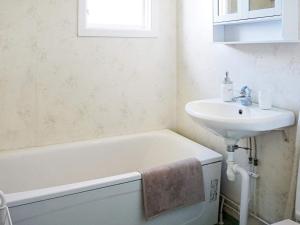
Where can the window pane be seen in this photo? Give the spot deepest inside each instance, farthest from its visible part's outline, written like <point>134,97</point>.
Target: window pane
<point>116,13</point>
<point>261,4</point>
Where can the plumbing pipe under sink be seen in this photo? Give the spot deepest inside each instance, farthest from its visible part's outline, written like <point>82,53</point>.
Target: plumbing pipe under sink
<point>232,169</point>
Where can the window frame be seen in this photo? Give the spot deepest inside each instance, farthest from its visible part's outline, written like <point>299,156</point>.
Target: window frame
<point>84,31</point>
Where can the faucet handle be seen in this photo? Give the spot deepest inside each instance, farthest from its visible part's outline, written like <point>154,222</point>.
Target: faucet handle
<point>246,91</point>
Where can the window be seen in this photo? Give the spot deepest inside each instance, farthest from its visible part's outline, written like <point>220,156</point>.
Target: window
<point>118,18</point>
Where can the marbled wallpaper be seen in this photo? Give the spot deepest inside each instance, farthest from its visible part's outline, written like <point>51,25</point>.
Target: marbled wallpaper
<point>56,87</point>
<point>201,68</point>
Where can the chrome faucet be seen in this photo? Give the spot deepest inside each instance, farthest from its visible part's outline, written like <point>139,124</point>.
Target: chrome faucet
<point>245,97</point>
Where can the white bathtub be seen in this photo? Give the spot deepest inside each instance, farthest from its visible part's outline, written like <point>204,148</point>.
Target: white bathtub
<point>97,183</point>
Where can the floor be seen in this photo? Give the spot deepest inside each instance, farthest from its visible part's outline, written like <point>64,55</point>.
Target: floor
<point>229,220</point>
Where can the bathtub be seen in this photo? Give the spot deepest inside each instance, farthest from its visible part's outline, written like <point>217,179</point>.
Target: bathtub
<point>98,183</point>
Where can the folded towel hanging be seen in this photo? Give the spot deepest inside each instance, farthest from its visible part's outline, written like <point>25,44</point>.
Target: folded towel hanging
<point>170,186</point>
<point>5,218</point>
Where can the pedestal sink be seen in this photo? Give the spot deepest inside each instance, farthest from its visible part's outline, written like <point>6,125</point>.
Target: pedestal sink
<point>233,121</point>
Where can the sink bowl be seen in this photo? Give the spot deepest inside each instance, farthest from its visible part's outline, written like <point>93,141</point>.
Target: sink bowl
<point>234,121</point>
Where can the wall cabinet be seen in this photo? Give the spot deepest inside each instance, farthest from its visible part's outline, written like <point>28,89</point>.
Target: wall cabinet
<point>256,21</point>
<point>235,10</point>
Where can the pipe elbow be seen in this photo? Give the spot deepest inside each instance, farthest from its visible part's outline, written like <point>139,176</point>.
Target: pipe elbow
<point>230,171</point>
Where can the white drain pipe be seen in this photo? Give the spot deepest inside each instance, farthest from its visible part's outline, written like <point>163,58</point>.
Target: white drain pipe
<point>230,205</point>
<point>232,170</point>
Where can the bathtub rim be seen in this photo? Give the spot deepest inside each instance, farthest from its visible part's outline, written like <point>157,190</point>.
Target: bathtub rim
<point>84,143</point>
<point>91,142</point>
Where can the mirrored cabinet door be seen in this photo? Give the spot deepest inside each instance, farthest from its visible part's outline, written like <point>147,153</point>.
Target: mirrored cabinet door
<point>261,4</point>
<point>227,10</point>
<point>263,8</point>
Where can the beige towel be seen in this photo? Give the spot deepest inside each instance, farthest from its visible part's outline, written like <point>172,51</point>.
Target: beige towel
<point>171,186</point>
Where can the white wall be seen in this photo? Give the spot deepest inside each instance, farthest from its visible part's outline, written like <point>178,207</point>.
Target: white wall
<point>201,68</point>
<point>56,87</point>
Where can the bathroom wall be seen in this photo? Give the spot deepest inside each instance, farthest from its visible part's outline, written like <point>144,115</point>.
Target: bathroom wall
<point>201,68</point>
<point>56,87</point>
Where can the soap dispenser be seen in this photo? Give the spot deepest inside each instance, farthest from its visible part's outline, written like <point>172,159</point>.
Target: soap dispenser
<point>227,89</point>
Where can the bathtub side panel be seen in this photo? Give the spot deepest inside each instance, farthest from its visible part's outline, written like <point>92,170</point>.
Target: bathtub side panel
<point>119,205</point>
<point>107,206</point>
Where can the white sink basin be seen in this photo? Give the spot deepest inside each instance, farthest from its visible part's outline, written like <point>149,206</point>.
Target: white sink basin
<point>234,121</point>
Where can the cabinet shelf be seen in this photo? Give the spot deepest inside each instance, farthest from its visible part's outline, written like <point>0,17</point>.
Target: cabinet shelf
<point>257,42</point>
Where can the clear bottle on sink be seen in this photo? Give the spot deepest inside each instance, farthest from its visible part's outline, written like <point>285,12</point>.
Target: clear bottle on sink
<point>227,89</point>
